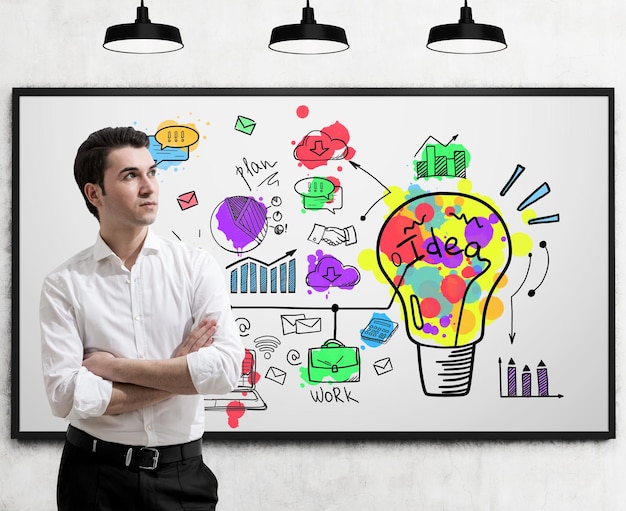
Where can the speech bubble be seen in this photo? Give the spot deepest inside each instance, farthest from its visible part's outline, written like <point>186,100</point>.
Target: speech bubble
<point>176,136</point>
<point>169,154</point>
<point>319,193</point>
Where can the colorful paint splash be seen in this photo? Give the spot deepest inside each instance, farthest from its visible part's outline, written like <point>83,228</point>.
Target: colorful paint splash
<point>243,222</point>
<point>438,160</point>
<point>445,253</point>
<point>172,143</point>
<point>378,331</point>
<point>317,148</point>
<point>235,410</point>
<point>326,271</point>
<point>302,111</point>
<point>319,193</point>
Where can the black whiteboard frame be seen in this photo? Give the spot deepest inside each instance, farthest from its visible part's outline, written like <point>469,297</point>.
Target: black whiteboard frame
<point>610,433</point>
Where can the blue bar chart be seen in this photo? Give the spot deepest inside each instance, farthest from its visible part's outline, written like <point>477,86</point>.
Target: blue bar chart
<point>253,276</point>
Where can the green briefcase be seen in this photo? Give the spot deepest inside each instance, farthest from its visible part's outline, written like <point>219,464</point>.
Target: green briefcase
<point>334,362</point>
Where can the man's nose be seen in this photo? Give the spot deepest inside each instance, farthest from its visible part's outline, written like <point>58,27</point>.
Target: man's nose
<point>148,185</point>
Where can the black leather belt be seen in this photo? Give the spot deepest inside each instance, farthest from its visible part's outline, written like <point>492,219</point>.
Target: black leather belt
<point>131,456</point>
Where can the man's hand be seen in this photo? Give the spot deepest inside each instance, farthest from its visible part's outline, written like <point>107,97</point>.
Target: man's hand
<point>199,337</point>
<point>100,363</point>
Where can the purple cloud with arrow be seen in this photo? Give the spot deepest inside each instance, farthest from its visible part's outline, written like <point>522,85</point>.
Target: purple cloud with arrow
<point>326,271</point>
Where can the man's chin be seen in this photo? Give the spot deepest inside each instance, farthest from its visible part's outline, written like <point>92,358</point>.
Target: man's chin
<point>147,220</point>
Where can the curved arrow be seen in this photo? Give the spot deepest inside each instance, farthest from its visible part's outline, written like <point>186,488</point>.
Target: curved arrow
<point>388,191</point>
<point>543,245</point>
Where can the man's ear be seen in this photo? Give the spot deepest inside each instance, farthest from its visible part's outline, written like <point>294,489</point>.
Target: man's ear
<point>93,192</point>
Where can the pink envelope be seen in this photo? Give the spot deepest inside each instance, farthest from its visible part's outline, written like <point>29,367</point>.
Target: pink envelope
<point>187,200</point>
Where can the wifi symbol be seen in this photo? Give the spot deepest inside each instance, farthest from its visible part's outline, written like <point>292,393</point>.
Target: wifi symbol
<point>267,344</point>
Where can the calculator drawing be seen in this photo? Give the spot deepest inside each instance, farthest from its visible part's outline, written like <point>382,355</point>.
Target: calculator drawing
<point>379,330</point>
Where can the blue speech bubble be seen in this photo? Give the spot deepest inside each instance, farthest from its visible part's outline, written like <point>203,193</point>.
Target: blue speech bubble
<point>167,154</point>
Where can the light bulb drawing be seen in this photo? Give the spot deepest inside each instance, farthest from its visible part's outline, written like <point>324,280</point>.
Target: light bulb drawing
<point>444,254</point>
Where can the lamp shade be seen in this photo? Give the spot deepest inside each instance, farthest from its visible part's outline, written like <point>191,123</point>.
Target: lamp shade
<point>142,36</point>
<point>466,36</point>
<point>308,37</point>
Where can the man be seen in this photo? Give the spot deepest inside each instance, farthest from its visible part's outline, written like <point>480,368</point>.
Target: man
<point>135,329</point>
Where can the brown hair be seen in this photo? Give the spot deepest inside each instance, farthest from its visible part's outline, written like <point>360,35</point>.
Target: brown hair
<point>91,158</point>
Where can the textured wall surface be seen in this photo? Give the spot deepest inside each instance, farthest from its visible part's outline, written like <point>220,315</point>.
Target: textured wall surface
<point>551,44</point>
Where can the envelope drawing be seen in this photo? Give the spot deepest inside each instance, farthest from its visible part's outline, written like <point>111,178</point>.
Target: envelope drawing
<point>245,125</point>
<point>276,375</point>
<point>289,322</point>
<point>383,366</point>
<point>308,325</point>
<point>187,200</point>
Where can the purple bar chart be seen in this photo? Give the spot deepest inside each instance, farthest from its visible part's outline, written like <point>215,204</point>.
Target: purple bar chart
<point>532,384</point>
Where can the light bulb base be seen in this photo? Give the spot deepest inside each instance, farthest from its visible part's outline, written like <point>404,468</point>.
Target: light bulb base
<point>446,371</point>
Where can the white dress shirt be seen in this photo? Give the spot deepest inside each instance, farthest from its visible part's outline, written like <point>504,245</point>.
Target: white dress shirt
<point>93,302</point>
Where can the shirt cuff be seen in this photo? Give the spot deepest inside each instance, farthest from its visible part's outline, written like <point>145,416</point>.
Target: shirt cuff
<point>92,395</point>
<point>211,371</point>
<point>317,233</point>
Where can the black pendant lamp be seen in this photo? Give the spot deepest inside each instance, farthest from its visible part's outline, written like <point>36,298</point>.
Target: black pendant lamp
<point>308,37</point>
<point>143,36</point>
<point>466,36</point>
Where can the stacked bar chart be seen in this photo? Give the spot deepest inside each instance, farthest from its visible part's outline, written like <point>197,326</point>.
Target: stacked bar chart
<point>254,276</point>
<point>441,166</point>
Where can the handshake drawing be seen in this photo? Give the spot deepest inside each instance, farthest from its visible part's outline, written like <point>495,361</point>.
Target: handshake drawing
<point>333,235</point>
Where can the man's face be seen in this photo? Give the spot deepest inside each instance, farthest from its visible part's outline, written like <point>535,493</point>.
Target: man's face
<point>131,189</point>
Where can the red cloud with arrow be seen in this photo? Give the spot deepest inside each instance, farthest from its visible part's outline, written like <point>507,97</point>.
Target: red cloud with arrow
<point>319,147</point>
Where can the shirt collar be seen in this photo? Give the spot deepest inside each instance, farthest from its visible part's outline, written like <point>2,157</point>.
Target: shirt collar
<point>101,250</point>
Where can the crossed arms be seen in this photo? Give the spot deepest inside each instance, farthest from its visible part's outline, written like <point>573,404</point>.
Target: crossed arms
<point>140,383</point>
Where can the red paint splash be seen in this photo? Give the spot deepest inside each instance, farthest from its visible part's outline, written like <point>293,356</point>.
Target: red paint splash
<point>253,378</point>
<point>235,411</point>
<point>319,147</point>
<point>468,272</point>
<point>302,111</point>
<point>248,363</point>
<point>430,307</point>
<point>453,288</point>
<point>247,368</point>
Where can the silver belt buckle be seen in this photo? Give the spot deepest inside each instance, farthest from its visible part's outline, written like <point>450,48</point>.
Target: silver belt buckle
<point>155,458</point>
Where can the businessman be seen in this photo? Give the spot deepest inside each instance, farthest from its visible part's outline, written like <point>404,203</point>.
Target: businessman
<point>135,330</point>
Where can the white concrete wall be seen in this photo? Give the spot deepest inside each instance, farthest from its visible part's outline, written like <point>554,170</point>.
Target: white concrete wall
<point>552,43</point>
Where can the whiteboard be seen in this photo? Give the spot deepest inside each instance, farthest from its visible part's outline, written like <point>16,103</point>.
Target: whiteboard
<point>419,263</point>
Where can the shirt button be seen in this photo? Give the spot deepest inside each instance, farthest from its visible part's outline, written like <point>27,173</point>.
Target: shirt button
<point>138,318</point>
<point>149,427</point>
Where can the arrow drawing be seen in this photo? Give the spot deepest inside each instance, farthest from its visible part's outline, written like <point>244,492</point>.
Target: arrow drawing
<point>319,148</point>
<point>387,190</point>
<point>437,141</point>
<point>512,330</point>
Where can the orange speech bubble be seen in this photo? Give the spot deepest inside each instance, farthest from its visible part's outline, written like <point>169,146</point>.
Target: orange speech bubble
<point>176,136</point>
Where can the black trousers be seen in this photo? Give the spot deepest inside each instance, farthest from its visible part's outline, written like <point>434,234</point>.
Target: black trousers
<point>88,483</point>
